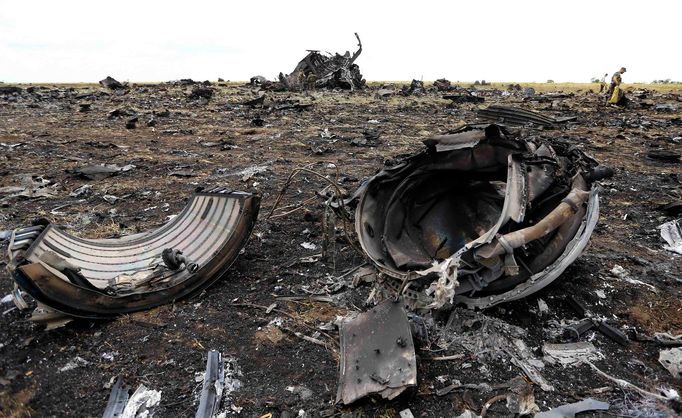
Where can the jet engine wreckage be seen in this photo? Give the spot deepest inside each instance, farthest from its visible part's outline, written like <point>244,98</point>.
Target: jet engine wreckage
<point>101,278</point>
<point>480,217</point>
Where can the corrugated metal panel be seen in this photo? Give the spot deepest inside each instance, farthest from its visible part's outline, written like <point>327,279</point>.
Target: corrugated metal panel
<point>210,231</point>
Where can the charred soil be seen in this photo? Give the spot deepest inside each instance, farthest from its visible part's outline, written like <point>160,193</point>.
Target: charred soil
<point>179,143</point>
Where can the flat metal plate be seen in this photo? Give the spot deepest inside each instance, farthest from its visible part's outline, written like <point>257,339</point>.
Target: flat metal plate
<point>377,354</point>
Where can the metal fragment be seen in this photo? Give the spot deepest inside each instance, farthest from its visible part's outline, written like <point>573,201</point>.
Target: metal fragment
<point>671,359</point>
<point>570,410</point>
<point>570,354</point>
<point>516,116</point>
<point>212,389</point>
<point>117,399</point>
<point>142,403</point>
<point>672,235</point>
<point>106,277</point>
<point>377,354</point>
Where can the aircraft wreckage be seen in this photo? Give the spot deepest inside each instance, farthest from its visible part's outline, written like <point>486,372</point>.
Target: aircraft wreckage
<point>99,278</point>
<point>478,218</point>
<point>316,70</point>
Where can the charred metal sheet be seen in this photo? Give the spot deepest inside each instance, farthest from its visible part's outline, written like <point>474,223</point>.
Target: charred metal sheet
<point>516,116</point>
<point>117,400</point>
<point>465,97</point>
<point>94,278</point>
<point>214,383</point>
<point>377,354</point>
<point>480,217</point>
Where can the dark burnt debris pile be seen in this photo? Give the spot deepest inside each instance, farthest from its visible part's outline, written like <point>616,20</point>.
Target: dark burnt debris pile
<point>319,71</point>
<point>314,246</point>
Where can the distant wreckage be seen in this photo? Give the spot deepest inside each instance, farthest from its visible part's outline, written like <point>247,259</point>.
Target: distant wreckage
<point>318,71</point>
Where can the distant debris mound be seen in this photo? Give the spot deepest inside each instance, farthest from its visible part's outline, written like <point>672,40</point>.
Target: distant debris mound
<point>7,90</point>
<point>318,71</point>
<point>201,91</point>
<point>443,84</point>
<point>415,88</point>
<point>112,84</point>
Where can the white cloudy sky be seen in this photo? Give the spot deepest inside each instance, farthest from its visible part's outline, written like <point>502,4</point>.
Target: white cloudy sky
<point>495,40</point>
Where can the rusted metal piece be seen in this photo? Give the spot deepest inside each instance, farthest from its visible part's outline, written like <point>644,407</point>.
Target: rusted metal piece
<point>377,354</point>
<point>95,278</point>
<point>480,217</point>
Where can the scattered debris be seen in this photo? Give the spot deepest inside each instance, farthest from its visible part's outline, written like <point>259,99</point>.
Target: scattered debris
<point>416,88</point>
<point>310,288</point>
<point>665,395</point>
<point>664,155</point>
<point>406,413</point>
<point>672,235</point>
<point>201,91</point>
<point>247,173</point>
<point>516,116</point>
<point>570,354</point>
<point>520,398</point>
<point>112,83</point>
<point>590,321</point>
<point>132,123</point>
<point>570,410</point>
<point>101,171</point>
<point>7,90</point>
<point>377,354</point>
<point>671,359</point>
<point>74,364</point>
<point>465,96</point>
<point>309,246</point>
<point>443,84</point>
<point>142,403</point>
<point>303,392</point>
<point>29,186</point>
<point>621,273</point>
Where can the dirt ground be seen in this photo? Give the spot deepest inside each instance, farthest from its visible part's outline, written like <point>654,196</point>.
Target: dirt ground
<point>179,145</point>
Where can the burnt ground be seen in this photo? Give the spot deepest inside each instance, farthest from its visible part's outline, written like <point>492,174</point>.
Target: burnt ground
<point>196,144</point>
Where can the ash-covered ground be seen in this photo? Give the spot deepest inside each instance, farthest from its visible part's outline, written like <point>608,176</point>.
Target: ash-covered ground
<point>179,142</point>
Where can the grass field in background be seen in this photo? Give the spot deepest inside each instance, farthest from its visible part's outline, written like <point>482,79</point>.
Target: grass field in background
<point>539,87</point>
<point>547,87</point>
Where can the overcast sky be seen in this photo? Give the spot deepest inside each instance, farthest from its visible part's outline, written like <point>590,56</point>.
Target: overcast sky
<point>143,40</point>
